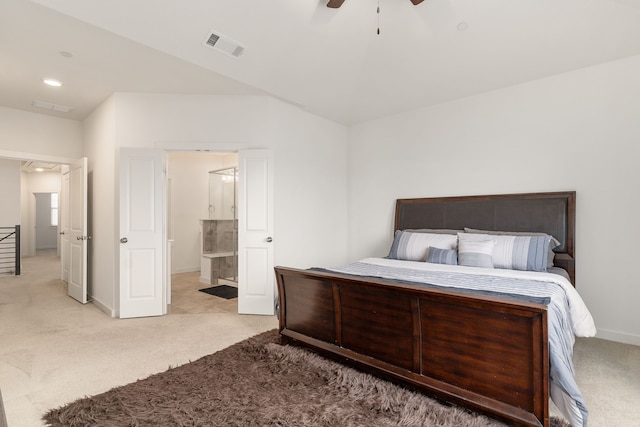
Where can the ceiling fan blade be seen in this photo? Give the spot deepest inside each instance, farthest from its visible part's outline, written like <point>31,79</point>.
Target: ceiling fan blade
<point>334,4</point>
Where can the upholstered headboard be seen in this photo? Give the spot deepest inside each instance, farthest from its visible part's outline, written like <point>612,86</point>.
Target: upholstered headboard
<point>551,213</point>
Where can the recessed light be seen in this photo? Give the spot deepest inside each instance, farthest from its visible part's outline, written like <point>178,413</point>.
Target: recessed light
<point>39,170</point>
<point>52,82</point>
<point>463,26</point>
<point>66,54</point>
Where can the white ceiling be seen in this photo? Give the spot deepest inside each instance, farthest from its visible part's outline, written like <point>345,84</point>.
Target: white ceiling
<point>330,62</point>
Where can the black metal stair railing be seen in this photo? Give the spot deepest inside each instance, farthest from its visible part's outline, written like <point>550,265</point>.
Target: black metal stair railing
<point>10,250</point>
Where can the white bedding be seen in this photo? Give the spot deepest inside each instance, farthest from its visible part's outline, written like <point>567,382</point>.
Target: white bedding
<point>581,319</point>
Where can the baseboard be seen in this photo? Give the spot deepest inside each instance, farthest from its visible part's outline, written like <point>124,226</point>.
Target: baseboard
<point>185,269</point>
<point>620,337</point>
<point>106,309</point>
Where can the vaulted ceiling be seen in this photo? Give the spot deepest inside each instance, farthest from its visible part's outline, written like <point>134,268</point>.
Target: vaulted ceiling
<point>331,62</point>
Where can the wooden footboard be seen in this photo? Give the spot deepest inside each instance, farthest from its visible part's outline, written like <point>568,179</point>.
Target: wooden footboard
<point>487,354</point>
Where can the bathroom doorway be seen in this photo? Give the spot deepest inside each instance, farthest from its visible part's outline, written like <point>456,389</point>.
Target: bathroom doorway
<point>202,221</point>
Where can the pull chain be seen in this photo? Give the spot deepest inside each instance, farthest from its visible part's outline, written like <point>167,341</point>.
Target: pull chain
<point>378,12</point>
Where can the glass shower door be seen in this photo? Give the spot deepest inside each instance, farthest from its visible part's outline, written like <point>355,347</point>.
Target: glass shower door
<point>222,233</point>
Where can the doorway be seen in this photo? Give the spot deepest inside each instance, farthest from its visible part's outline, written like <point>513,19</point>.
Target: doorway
<point>41,200</point>
<point>201,228</point>
<point>46,223</point>
<point>143,186</point>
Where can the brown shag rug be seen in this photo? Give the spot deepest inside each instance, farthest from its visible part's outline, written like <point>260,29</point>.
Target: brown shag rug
<point>258,382</point>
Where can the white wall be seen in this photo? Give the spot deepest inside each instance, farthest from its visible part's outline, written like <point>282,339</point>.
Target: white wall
<point>99,137</point>
<point>310,188</point>
<point>25,135</point>
<point>309,156</point>
<point>189,203</point>
<point>21,131</point>
<point>575,131</point>
<point>9,192</point>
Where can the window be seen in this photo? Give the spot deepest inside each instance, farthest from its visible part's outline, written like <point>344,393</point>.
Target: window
<point>54,209</point>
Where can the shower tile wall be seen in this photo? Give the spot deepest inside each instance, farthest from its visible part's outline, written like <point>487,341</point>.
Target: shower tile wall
<point>218,235</point>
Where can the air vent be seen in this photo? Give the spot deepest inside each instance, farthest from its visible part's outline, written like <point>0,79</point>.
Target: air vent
<point>51,106</point>
<point>224,44</point>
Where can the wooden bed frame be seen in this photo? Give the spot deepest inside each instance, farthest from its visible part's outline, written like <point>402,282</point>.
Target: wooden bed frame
<point>485,353</point>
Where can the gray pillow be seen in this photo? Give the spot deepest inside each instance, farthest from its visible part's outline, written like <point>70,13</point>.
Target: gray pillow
<point>442,256</point>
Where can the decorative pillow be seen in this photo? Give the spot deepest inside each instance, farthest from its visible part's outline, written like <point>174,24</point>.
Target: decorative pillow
<point>442,256</point>
<point>411,246</point>
<point>475,253</point>
<point>516,252</point>
<point>553,243</point>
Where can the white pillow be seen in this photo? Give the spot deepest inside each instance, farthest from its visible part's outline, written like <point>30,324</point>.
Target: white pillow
<point>412,246</point>
<point>553,242</point>
<point>528,253</point>
<point>475,253</point>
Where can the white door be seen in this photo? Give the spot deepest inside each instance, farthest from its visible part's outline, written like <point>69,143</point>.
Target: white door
<point>65,226</point>
<point>256,278</point>
<point>141,228</point>
<point>75,239</point>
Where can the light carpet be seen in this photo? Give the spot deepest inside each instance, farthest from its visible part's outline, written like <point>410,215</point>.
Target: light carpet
<point>258,382</point>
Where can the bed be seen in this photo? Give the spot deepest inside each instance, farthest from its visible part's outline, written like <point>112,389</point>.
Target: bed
<point>502,350</point>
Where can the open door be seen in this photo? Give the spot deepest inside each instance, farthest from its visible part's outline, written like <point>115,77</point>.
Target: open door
<point>65,226</point>
<point>256,278</point>
<point>74,239</point>
<point>141,229</point>
<point>142,286</point>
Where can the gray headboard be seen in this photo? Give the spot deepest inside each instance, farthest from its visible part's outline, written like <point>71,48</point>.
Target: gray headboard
<point>551,213</point>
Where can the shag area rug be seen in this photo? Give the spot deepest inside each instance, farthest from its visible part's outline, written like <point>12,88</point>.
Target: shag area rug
<point>258,382</point>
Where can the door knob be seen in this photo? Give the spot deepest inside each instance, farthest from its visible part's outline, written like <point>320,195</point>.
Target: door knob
<point>269,240</point>
<point>124,240</point>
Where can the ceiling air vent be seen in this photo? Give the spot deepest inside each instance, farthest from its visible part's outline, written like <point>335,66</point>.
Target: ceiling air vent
<point>224,44</point>
<point>51,106</point>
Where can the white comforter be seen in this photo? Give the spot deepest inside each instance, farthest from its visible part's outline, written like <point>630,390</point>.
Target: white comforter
<point>581,319</point>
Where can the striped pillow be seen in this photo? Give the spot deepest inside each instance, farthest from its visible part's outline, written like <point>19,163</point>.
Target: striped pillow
<point>553,242</point>
<point>528,253</point>
<point>442,256</point>
<point>411,246</point>
<point>475,253</point>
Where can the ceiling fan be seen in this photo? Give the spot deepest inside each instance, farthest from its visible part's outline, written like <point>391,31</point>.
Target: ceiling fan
<point>334,4</point>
